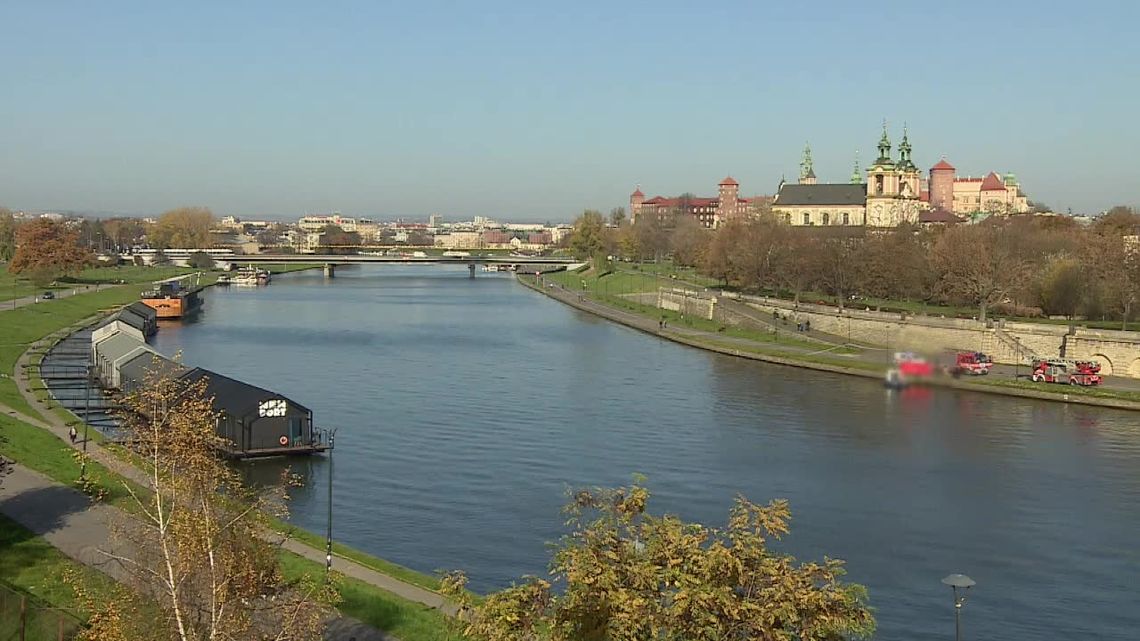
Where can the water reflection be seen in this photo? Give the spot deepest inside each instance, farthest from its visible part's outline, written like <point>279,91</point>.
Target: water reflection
<point>466,407</point>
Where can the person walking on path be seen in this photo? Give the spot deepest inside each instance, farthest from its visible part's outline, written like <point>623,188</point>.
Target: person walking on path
<point>72,434</point>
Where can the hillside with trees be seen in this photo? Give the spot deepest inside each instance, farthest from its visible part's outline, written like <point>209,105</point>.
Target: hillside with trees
<point>1025,265</point>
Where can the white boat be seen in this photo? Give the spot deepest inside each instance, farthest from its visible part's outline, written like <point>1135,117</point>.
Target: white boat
<point>245,280</point>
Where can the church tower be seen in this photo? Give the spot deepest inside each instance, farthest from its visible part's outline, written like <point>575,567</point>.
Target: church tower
<point>807,172</point>
<point>635,201</point>
<point>856,175</point>
<point>892,188</point>
<point>909,175</point>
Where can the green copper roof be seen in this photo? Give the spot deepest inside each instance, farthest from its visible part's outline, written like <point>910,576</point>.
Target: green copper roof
<point>884,148</point>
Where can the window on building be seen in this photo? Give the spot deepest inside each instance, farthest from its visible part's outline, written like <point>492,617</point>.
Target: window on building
<point>846,218</point>
<point>826,218</point>
<point>878,183</point>
<point>788,218</point>
<point>807,218</point>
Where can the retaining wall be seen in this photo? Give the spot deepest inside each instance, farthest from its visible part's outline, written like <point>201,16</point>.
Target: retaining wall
<point>1008,342</point>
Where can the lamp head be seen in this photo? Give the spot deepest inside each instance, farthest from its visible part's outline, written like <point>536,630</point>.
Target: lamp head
<point>959,581</point>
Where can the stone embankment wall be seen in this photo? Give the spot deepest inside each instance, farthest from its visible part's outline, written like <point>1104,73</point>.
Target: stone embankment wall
<point>1118,352</point>
<point>1008,342</point>
<point>686,302</point>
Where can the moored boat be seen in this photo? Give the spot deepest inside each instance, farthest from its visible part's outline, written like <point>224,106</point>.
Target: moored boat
<point>172,298</point>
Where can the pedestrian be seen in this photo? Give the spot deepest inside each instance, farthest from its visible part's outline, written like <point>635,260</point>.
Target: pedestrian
<point>72,434</point>
<point>807,326</point>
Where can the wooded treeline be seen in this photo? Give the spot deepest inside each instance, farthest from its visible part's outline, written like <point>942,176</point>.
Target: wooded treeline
<point>1027,265</point>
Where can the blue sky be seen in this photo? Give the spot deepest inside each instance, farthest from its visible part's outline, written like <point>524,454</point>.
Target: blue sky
<point>537,110</point>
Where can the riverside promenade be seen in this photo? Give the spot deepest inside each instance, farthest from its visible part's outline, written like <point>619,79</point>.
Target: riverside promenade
<point>79,527</point>
<point>823,352</point>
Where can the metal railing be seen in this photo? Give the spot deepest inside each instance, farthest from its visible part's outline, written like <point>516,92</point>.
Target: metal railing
<point>23,617</point>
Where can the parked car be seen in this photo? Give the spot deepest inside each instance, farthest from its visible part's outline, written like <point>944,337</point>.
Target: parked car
<point>48,295</point>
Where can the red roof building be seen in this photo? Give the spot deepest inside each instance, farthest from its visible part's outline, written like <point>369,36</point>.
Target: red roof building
<point>709,212</point>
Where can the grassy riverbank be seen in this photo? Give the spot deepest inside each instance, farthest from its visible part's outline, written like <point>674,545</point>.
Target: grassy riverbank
<point>34,565</point>
<point>26,325</point>
<point>791,351</point>
<point>31,566</point>
<point>620,290</point>
<point>42,451</point>
<point>378,608</point>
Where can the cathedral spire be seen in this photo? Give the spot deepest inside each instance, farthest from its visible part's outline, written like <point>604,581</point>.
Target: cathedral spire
<point>856,175</point>
<point>807,172</point>
<point>884,147</point>
<point>904,151</point>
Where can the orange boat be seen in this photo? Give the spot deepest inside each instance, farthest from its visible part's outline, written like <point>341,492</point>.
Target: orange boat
<point>172,300</point>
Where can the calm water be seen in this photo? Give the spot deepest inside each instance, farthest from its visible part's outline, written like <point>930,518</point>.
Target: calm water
<point>465,408</point>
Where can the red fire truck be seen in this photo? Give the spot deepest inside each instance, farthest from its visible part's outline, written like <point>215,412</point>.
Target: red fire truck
<point>1084,373</point>
<point>971,363</point>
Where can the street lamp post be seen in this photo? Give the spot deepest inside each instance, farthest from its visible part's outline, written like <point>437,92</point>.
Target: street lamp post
<point>964,583</point>
<point>328,538</point>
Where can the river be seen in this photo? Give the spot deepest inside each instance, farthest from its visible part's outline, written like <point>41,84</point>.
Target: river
<point>465,409</point>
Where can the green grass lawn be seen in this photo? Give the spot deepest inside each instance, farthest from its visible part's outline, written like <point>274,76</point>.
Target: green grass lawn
<point>23,326</point>
<point>612,289</point>
<point>375,563</point>
<point>407,620</point>
<point>128,274</point>
<point>29,565</point>
<point>42,451</point>
<point>666,269</point>
<point>1052,388</point>
<point>12,287</point>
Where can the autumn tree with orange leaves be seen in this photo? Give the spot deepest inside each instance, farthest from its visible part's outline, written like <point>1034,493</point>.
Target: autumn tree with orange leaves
<point>623,573</point>
<point>46,250</point>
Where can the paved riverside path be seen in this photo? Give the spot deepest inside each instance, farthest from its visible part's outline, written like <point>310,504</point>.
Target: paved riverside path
<point>875,355</point>
<point>70,522</point>
<point>871,352</point>
<point>14,303</point>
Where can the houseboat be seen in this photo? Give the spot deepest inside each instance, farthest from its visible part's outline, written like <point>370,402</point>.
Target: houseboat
<point>250,276</point>
<point>173,298</point>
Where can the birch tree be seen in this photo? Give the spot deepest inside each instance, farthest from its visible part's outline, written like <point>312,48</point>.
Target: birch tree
<point>196,545</point>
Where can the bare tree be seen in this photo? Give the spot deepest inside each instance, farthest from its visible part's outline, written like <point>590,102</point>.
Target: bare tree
<point>195,546</point>
<point>689,242</point>
<point>976,264</point>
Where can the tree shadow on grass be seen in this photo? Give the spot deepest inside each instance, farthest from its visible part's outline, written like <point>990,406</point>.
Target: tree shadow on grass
<point>27,513</point>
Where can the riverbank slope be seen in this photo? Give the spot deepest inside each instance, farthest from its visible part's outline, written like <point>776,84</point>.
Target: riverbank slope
<point>793,352</point>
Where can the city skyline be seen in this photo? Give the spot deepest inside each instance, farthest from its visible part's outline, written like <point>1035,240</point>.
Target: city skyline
<point>535,113</point>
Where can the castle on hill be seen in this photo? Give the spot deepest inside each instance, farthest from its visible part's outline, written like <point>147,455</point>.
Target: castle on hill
<point>889,192</point>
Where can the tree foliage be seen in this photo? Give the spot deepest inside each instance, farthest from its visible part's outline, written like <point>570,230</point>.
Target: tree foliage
<point>623,573</point>
<point>7,235</point>
<point>335,240</point>
<point>201,260</point>
<point>196,546</point>
<point>589,236</point>
<point>124,233</point>
<point>182,228</point>
<point>46,250</point>
<point>1023,265</point>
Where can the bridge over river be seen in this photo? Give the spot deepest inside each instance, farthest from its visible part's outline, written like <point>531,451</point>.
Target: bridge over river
<point>538,263</point>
